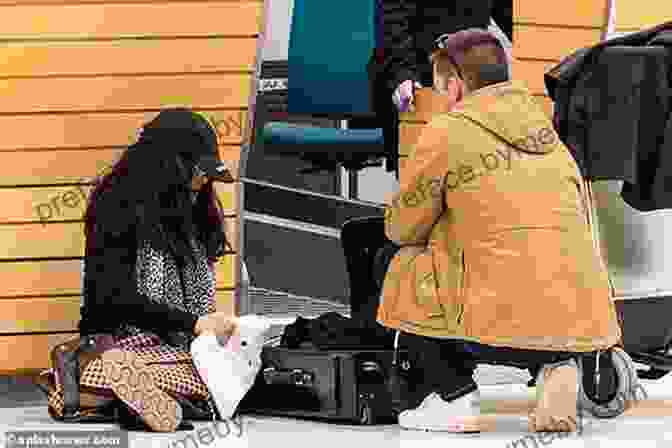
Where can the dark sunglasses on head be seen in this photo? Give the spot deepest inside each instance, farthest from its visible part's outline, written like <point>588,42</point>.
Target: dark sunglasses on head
<point>198,171</point>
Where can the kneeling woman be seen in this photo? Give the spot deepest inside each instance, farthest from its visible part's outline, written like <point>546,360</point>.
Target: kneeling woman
<point>154,230</point>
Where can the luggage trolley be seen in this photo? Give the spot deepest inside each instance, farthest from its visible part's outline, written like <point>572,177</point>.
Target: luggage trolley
<point>630,243</point>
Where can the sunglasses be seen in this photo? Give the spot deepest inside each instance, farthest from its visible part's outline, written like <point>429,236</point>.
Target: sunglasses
<point>440,42</point>
<point>198,171</point>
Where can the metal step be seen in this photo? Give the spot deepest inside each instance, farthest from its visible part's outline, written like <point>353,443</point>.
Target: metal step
<point>278,304</point>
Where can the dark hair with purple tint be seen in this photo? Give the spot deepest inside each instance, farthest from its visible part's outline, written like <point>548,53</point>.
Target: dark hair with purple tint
<point>147,194</point>
<point>476,56</point>
<point>456,44</point>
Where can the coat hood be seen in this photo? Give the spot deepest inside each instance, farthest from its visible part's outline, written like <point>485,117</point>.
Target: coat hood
<point>509,111</point>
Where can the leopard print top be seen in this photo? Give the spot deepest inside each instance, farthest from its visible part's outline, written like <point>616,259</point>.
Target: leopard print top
<point>159,278</point>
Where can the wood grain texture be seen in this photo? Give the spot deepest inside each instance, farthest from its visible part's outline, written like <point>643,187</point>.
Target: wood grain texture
<point>155,19</point>
<point>130,57</point>
<point>576,13</point>
<point>124,93</point>
<point>549,43</point>
<point>634,15</point>
<point>28,353</point>
<point>99,130</point>
<point>64,277</point>
<point>55,239</point>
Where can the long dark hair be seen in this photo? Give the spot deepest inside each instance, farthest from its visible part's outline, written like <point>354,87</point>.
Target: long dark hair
<point>147,193</point>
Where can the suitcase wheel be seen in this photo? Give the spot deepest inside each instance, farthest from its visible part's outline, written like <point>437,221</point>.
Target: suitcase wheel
<point>366,416</point>
<point>620,381</point>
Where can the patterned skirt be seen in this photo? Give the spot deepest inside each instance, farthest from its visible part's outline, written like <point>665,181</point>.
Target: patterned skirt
<point>174,373</point>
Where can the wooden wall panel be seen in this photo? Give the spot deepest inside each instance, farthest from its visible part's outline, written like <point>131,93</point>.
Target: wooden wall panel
<point>26,95</point>
<point>78,78</point>
<point>99,130</point>
<point>577,13</point>
<point>550,43</point>
<point>635,15</point>
<point>29,353</point>
<point>53,167</point>
<point>31,59</point>
<point>165,19</point>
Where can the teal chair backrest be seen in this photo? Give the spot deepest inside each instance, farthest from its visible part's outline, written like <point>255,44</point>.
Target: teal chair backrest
<point>329,48</point>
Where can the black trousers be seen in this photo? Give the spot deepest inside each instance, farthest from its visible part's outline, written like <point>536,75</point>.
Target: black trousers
<point>438,365</point>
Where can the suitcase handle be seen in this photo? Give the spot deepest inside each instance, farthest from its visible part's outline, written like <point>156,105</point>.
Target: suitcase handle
<point>291,377</point>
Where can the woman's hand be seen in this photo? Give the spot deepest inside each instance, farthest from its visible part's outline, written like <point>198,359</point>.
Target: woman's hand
<point>220,324</point>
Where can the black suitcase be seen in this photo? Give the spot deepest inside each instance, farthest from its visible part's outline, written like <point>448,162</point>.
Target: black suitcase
<point>352,373</point>
<point>351,386</point>
<point>349,371</point>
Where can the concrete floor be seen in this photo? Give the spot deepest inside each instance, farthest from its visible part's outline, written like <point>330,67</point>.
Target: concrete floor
<point>505,402</point>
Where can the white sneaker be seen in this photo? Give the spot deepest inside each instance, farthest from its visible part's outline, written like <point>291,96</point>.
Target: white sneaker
<point>435,414</point>
<point>229,370</point>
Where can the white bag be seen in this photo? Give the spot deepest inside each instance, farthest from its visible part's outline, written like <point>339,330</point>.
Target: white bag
<point>229,370</point>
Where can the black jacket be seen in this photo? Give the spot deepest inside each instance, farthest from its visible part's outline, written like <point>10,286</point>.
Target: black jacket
<point>111,294</point>
<point>410,29</point>
<point>612,109</point>
<point>406,31</point>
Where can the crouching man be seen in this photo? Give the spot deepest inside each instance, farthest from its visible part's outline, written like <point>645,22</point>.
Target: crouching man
<point>496,260</point>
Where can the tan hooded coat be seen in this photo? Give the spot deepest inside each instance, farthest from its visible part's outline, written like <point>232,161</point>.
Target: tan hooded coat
<point>492,217</point>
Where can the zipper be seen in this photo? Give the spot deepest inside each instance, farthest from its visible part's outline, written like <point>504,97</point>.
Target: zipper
<point>463,277</point>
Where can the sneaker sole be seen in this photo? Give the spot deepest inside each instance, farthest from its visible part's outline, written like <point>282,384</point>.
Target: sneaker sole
<point>467,427</point>
<point>133,382</point>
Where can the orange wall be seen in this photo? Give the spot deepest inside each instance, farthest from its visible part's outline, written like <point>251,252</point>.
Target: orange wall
<point>545,32</point>
<point>77,78</point>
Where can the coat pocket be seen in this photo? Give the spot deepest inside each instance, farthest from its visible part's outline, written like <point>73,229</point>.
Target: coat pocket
<point>451,268</point>
<point>418,301</point>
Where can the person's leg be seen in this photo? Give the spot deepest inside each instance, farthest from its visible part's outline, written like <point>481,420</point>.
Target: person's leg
<point>516,357</point>
<point>442,394</point>
<point>134,382</point>
<point>444,366</point>
<point>381,263</point>
<point>361,239</point>
<point>557,383</point>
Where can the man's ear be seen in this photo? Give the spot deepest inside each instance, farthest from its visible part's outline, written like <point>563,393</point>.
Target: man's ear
<point>454,90</point>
